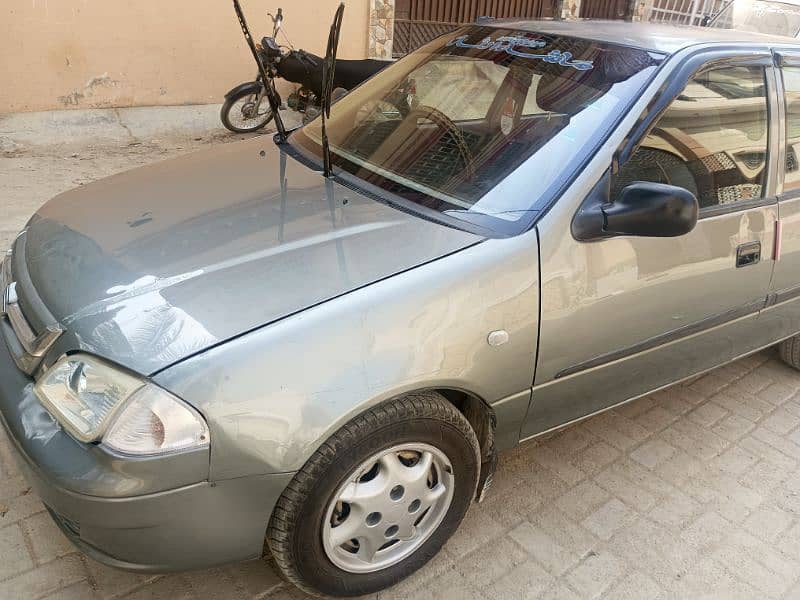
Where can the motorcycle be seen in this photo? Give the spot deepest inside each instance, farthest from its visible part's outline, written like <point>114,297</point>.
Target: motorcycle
<point>251,105</point>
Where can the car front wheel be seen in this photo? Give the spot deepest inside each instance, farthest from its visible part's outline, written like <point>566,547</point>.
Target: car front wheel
<point>378,500</point>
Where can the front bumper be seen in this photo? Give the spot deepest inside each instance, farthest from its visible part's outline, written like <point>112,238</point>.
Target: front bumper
<point>116,509</point>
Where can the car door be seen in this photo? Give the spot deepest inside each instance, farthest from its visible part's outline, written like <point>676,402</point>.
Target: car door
<point>782,316</point>
<point>625,315</point>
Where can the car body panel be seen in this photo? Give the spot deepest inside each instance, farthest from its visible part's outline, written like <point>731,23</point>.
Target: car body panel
<point>79,468</point>
<point>145,281</point>
<point>627,315</point>
<point>612,296</point>
<point>274,395</point>
<point>416,315</point>
<point>783,311</point>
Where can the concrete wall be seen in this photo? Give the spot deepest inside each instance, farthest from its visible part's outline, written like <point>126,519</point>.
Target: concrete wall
<point>107,53</point>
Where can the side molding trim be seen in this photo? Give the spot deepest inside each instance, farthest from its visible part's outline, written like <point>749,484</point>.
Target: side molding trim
<point>669,336</point>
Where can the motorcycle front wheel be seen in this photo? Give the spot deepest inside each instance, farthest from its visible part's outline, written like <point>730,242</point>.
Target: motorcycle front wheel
<point>243,113</point>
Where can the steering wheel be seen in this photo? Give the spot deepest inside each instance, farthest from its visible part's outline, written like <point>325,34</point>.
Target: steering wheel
<point>442,121</point>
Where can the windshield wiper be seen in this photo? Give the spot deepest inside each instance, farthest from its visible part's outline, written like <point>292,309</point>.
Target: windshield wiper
<point>328,71</point>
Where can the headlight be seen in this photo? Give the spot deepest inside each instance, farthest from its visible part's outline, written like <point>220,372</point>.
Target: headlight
<point>95,400</point>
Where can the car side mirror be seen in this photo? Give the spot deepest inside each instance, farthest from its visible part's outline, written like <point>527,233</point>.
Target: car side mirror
<point>651,210</point>
<point>642,209</point>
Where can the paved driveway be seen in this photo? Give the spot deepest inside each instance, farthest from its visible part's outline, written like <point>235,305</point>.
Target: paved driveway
<point>691,492</point>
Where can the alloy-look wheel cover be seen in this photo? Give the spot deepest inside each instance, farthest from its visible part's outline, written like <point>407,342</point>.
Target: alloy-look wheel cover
<point>388,507</point>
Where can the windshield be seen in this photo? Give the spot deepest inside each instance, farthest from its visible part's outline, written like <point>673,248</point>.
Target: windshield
<point>445,126</point>
<point>776,18</point>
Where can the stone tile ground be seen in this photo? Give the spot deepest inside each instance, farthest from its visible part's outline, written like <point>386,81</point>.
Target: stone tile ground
<point>693,492</point>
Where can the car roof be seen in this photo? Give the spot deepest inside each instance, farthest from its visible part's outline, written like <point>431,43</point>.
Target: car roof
<point>658,37</point>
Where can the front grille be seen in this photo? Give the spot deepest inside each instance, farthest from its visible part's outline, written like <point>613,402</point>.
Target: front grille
<point>27,345</point>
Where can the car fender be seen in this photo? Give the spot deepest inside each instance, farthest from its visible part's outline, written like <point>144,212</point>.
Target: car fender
<point>274,395</point>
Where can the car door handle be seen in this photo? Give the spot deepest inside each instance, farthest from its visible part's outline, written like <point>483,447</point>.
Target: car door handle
<point>748,254</point>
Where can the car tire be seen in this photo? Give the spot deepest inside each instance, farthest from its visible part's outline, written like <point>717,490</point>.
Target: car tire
<point>228,111</point>
<point>403,437</point>
<point>789,350</point>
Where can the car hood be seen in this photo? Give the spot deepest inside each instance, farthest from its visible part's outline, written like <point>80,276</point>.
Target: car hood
<point>150,266</point>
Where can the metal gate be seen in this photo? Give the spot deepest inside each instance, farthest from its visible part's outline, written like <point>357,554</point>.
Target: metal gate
<point>419,21</point>
<point>687,12</point>
<point>606,9</point>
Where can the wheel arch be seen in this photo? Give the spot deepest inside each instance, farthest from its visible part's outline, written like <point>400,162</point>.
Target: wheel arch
<point>483,420</point>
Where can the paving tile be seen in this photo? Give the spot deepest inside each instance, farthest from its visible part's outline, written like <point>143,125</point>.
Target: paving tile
<point>173,587</point>
<point>707,414</point>
<point>595,458</point>
<point>13,510</point>
<point>679,400</point>
<point>768,522</point>
<point>638,407</point>
<point>571,440</point>
<point>544,548</point>
<point>77,591</point>
<point>781,421</point>
<point>582,500</point>
<point>635,586</point>
<point>642,476</point>
<point>653,549</point>
<point>656,419</point>
<point>763,476</point>
<point>626,490</point>
<point>438,568</point>
<point>733,427</point>
<point>49,578</point>
<point>481,568</point>
<point>734,461</point>
<point>14,555</point>
<point>705,531</point>
<point>676,511</point>
<point>110,583</point>
<point>528,580</point>
<point>565,530</point>
<point>46,538</point>
<point>652,453</point>
<point>708,384</point>
<point>477,529</point>
<point>743,408</point>
<point>754,382</point>
<point>595,574</point>
<point>254,577</point>
<point>768,453</point>
<point>609,518</point>
<point>709,580</point>
<point>559,591</point>
<point>558,465</point>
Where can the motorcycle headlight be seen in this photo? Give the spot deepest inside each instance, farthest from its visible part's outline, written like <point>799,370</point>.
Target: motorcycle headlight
<point>94,400</point>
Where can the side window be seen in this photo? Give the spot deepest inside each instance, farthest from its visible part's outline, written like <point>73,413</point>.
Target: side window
<point>791,83</point>
<point>712,139</point>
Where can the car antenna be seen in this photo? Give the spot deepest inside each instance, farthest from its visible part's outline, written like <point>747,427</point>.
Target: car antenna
<point>328,71</point>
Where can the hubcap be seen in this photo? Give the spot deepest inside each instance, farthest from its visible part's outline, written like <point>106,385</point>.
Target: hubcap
<point>388,507</point>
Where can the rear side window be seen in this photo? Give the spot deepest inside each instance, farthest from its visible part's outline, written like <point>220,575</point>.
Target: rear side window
<point>791,82</point>
<point>712,140</point>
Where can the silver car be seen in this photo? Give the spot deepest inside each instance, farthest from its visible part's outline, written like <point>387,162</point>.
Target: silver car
<point>528,223</point>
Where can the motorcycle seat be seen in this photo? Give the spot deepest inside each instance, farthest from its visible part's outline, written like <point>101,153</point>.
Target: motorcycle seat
<point>306,69</point>
<point>350,73</point>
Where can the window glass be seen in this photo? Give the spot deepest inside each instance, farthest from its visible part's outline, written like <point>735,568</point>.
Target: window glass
<point>712,140</point>
<point>791,81</point>
<point>776,18</point>
<point>444,127</point>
